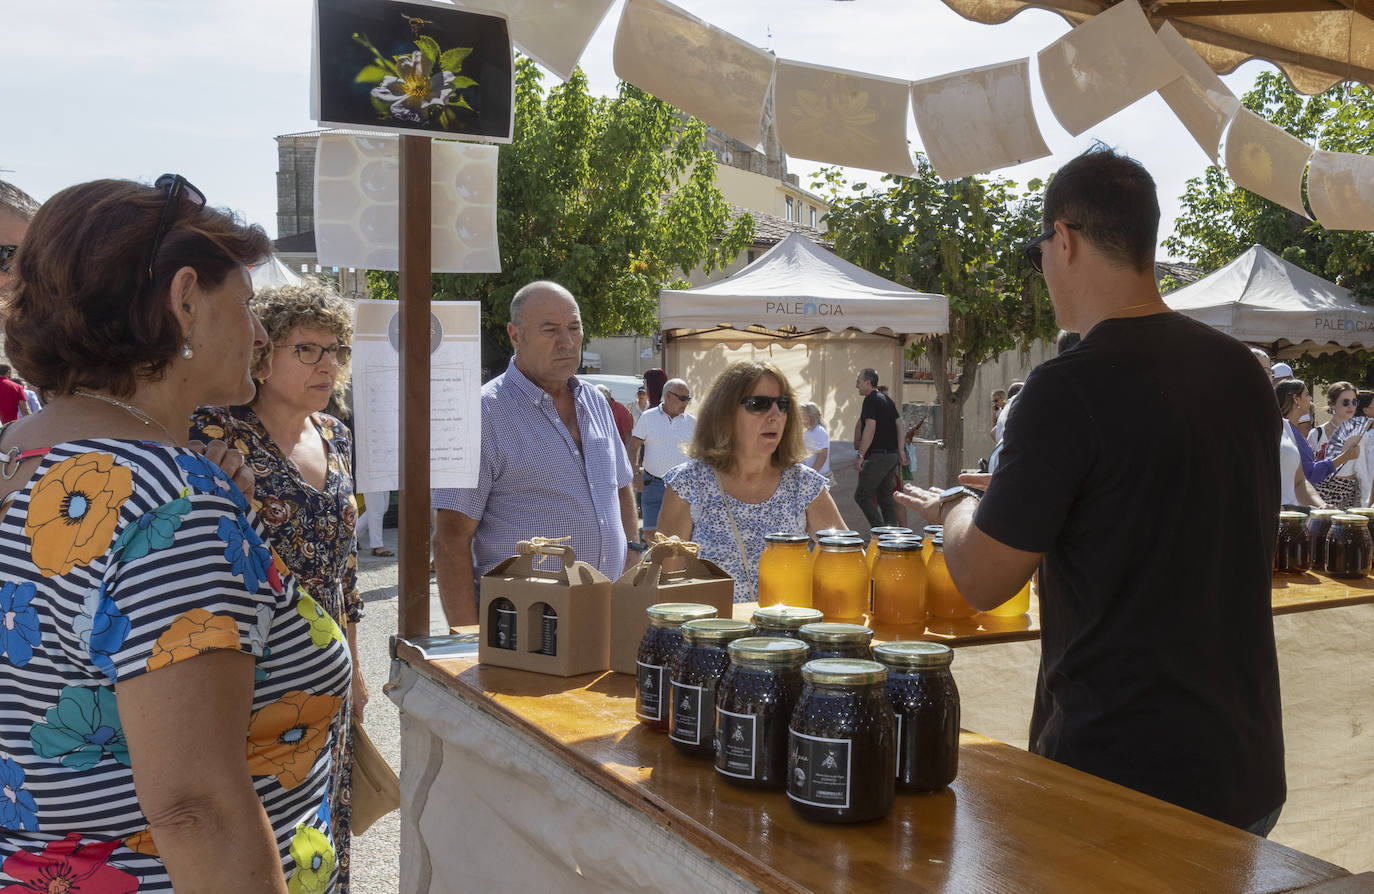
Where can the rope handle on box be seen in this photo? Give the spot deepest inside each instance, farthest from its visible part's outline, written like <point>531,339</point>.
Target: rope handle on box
<point>667,547</point>
<point>544,547</point>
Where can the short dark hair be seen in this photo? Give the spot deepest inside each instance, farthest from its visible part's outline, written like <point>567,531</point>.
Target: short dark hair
<point>871,375</point>
<point>4,369</point>
<point>1112,200</point>
<point>1014,389</point>
<point>81,313</point>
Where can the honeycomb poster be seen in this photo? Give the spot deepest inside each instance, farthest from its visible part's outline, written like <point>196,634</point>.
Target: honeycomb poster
<point>414,68</point>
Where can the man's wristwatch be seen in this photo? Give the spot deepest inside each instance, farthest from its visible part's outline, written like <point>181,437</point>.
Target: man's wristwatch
<point>634,545</point>
<point>954,494</point>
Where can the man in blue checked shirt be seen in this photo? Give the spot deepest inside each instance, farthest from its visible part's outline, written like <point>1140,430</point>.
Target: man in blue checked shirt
<point>553,464</point>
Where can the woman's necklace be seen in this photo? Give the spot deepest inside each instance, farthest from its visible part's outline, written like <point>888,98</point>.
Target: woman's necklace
<point>132,411</point>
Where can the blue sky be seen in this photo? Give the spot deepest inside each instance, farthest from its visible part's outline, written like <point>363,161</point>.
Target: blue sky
<point>134,89</point>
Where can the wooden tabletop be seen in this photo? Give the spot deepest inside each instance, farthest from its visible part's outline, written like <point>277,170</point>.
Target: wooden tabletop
<point>1305,592</point>
<point>1011,821</point>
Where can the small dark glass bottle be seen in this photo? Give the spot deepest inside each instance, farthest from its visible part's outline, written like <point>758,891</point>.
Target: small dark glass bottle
<point>925,702</point>
<point>1293,551</point>
<point>842,743</point>
<point>784,620</point>
<point>694,675</point>
<point>660,645</point>
<point>754,704</point>
<point>501,624</point>
<point>829,639</point>
<point>1349,549</point>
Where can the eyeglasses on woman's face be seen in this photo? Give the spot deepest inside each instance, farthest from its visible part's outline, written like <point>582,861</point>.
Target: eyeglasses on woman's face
<point>311,353</point>
<point>759,403</point>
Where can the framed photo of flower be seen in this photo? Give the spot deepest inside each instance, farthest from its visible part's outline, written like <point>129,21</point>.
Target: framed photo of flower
<point>413,67</point>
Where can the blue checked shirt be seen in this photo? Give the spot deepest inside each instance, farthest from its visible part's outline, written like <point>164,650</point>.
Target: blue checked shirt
<point>534,481</point>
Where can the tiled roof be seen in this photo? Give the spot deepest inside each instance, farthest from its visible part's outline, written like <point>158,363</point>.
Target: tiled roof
<point>769,229</point>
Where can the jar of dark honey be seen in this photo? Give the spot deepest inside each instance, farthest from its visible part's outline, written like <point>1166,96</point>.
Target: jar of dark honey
<point>784,620</point>
<point>754,703</point>
<point>660,645</point>
<point>1349,549</point>
<point>842,743</point>
<point>1318,525</point>
<point>926,704</point>
<point>834,640</point>
<point>693,677</point>
<point>1293,551</point>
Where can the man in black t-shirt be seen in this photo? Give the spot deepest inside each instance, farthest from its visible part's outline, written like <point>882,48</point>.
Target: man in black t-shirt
<point>877,442</point>
<point>1155,526</point>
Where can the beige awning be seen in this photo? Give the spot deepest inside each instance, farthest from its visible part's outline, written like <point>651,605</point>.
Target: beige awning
<point>1316,43</point>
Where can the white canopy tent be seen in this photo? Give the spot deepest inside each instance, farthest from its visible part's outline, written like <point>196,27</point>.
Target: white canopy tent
<point>820,319</point>
<point>273,273</point>
<point>1261,299</point>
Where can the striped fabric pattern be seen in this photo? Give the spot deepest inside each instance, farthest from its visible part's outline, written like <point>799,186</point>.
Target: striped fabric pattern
<point>175,567</point>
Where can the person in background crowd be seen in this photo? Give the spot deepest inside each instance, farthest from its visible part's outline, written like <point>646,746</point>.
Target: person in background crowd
<point>1339,489</point>
<point>654,380</point>
<point>301,458</point>
<point>1281,370</point>
<point>999,400</point>
<point>816,440</point>
<point>746,478</point>
<point>371,521</point>
<point>17,208</point>
<point>172,697</point>
<point>663,432</point>
<point>641,403</point>
<point>552,461</point>
<point>877,439</point>
<point>13,403</point>
<point>31,399</point>
<point>1363,466</point>
<point>624,422</point>
<point>1294,403</point>
<point>1089,491</point>
<point>1314,470</point>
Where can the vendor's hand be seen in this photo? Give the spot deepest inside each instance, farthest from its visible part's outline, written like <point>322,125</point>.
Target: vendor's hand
<point>360,693</point>
<point>926,501</point>
<point>639,481</point>
<point>234,464</point>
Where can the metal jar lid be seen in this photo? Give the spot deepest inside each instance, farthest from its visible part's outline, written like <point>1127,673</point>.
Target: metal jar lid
<point>938,542</point>
<point>1325,514</point>
<point>772,650</point>
<point>834,632</point>
<point>844,672</point>
<point>836,532</point>
<point>679,612</point>
<point>1355,521</point>
<point>839,544</point>
<point>913,654</point>
<point>899,544</point>
<point>786,617</point>
<point>785,537</point>
<point>716,630</point>
<point>1365,511</point>
<point>1289,515</point>
<point>933,530</point>
<point>888,529</point>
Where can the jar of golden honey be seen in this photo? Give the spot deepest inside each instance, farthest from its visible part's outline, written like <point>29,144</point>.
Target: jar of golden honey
<point>942,597</point>
<point>839,580</point>
<point>785,570</point>
<point>877,534</point>
<point>930,532</point>
<point>899,582</point>
<point>1015,606</point>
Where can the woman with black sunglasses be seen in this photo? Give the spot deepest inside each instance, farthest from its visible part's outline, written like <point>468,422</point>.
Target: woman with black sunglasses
<point>746,478</point>
<point>166,708</point>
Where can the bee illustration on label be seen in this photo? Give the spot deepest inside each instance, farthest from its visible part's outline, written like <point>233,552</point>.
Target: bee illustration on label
<point>737,735</point>
<point>830,762</point>
<point>686,704</point>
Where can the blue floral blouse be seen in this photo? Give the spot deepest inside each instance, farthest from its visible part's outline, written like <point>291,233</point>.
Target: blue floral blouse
<point>695,482</point>
<point>121,558</point>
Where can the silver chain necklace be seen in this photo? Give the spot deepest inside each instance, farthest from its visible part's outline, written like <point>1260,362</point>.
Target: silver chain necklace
<point>131,410</point>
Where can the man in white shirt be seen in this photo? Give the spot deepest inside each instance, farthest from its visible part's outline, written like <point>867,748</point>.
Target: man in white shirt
<point>664,432</point>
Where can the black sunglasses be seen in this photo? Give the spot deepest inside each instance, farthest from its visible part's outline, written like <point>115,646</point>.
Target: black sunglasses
<point>176,187</point>
<point>758,403</point>
<point>6,254</point>
<point>685,400</point>
<point>1032,249</point>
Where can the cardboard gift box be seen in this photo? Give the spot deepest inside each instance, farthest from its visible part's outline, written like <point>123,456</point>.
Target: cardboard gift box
<point>538,619</point>
<point>648,584</point>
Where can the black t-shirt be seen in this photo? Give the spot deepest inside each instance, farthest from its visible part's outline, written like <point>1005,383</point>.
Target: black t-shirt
<point>880,408</point>
<point>1144,463</point>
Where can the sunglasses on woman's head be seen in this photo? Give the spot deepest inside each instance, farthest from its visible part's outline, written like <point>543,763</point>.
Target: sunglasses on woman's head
<point>176,187</point>
<point>758,403</point>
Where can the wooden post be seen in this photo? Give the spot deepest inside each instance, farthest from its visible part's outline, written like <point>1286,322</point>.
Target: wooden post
<point>413,401</point>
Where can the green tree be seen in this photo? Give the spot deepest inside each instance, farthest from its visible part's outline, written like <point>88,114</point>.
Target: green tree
<point>1221,220</point>
<point>614,197</point>
<point>960,239</point>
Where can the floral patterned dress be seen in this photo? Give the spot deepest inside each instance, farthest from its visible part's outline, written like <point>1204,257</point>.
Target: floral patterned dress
<point>313,532</point>
<point>120,558</point>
